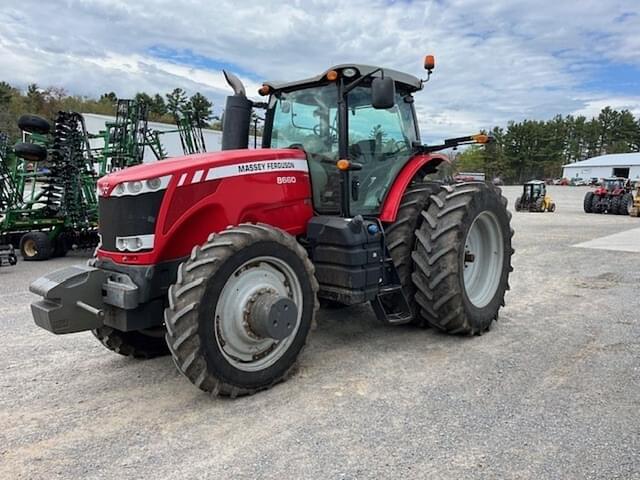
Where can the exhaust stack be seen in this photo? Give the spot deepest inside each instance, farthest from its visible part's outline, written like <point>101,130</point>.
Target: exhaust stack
<point>237,116</point>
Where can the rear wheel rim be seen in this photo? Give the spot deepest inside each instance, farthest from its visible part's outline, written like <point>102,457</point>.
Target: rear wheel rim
<point>30,248</point>
<point>242,348</point>
<point>483,259</point>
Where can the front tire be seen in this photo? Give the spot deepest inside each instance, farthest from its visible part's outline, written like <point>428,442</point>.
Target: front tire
<point>463,258</point>
<point>210,319</point>
<point>132,344</point>
<point>587,203</point>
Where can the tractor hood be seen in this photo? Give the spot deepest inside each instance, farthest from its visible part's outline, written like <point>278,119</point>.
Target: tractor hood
<point>200,167</point>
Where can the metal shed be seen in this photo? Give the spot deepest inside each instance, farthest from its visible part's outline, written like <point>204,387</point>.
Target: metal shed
<point>625,165</point>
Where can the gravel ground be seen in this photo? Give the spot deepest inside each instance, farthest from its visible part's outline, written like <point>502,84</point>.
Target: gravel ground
<point>553,391</point>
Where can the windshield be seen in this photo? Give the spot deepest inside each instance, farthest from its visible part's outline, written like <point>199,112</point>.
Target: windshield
<point>381,141</point>
<point>613,184</point>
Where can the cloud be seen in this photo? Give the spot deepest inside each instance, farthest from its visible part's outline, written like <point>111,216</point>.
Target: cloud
<point>497,61</point>
<point>593,106</point>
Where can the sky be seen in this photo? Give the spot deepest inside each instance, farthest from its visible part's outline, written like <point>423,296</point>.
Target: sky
<point>496,60</point>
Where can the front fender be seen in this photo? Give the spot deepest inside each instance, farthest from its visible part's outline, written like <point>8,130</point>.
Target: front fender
<point>425,163</point>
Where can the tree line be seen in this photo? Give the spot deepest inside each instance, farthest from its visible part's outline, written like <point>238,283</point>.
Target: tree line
<point>521,150</point>
<point>537,149</point>
<point>46,102</point>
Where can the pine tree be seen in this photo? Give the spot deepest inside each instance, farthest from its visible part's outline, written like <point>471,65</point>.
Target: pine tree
<point>35,98</point>
<point>200,108</point>
<point>176,101</point>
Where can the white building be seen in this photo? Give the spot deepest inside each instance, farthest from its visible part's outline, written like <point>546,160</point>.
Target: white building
<point>625,165</point>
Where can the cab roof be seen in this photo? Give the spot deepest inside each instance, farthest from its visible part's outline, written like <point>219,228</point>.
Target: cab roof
<point>534,182</point>
<point>404,79</point>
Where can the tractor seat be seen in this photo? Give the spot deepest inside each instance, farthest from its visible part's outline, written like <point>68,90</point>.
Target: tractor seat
<point>364,151</point>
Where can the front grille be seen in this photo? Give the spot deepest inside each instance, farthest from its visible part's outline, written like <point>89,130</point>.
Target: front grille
<point>127,216</point>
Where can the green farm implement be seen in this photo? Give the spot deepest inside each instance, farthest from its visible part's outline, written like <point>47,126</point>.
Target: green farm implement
<point>48,202</point>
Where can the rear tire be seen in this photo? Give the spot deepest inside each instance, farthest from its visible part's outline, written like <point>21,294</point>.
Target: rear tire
<point>596,205</point>
<point>35,246</point>
<point>400,235</point>
<point>587,203</point>
<point>626,202</point>
<point>518,205</point>
<point>472,215</point>
<point>614,205</point>
<point>539,206</point>
<point>209,314</point>
<point>134,344</point>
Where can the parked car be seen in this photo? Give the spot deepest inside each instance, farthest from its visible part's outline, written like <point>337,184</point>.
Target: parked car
<point>561,181</point>
<point>463,178</point>
<point>578,182</point>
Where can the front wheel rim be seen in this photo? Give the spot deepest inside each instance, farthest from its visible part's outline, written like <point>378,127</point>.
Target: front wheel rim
<point>241,347</point>
<point>483,259</point>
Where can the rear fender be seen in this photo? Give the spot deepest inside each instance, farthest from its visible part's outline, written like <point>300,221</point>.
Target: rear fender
<point>423,164</point>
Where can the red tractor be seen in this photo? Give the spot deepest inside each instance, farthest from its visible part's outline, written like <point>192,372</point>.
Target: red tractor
<point>220,258</point>
<point>612,196</point>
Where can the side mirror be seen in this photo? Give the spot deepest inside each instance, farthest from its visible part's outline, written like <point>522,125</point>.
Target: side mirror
<point>383,93</point>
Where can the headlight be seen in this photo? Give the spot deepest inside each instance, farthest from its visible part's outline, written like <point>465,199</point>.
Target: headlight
<point>154,183</point>
<point>135,243</point>
<point>139,187</point>
<point>134,187</point>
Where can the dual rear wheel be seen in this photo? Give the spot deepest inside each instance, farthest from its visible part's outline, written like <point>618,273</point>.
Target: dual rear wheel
<point>456,264</point>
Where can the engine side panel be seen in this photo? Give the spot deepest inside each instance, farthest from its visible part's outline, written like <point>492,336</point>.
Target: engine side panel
<point>203,198</point>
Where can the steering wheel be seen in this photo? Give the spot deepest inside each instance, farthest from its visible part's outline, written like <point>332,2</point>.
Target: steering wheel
<point>332,130</point>
<point>403,147</point>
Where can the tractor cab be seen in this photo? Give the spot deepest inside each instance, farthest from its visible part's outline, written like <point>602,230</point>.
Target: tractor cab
<point>357,113</point>
<point>534,198</point>
<point>534,190</point>
<point>358,118</point>
<point>615,185</point>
